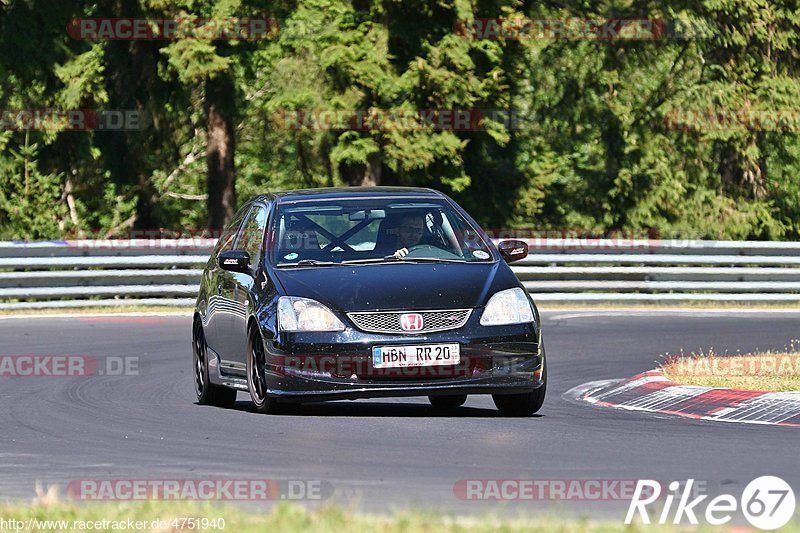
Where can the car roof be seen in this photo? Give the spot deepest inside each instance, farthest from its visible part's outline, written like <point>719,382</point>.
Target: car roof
<point>336,193</point>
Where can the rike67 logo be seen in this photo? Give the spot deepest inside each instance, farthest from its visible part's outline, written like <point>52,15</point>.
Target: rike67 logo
<point>767,502</point>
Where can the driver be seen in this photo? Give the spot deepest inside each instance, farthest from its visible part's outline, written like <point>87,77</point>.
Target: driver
<point>409,233</point>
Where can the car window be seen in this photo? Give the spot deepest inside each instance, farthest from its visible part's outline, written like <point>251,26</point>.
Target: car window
<point>252,233</point>
<point>225,242</point>
<point>364,236</point>
<point>352,230</point>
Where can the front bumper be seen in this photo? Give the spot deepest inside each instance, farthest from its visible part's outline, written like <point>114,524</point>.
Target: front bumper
<point>316,366</point>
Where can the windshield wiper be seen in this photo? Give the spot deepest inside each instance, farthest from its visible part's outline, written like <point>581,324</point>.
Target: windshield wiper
<point>388,258</point>
<point>433,260</point>
<point>395,259</point>
<point>307,262</point>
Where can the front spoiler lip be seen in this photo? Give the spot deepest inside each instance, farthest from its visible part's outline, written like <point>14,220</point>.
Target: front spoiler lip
<point>386,392</point>
<point>323,387</point>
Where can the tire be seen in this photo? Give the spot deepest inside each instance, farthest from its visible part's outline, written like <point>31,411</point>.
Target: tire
<point>524,404</point>
<point>447,402</point>
<point>207,393</point>
<point>256,378</point>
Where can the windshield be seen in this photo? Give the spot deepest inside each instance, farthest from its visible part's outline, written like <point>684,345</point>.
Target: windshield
<point>373,230</point>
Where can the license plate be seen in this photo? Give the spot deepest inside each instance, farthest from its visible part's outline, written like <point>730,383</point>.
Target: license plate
<point>423,355</point>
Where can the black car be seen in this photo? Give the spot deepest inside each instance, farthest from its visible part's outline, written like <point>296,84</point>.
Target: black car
<point>327,294</point>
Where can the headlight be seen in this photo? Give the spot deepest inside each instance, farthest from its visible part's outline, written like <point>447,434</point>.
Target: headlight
<point>510,306</point>
<point>302,314</point>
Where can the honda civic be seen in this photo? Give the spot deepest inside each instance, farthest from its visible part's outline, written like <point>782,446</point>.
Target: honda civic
<point>349,293</point>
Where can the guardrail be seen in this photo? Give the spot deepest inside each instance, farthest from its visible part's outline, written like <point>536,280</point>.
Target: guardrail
<point>166,272</point>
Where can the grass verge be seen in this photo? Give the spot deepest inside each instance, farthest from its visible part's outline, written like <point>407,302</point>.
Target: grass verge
<point>173,517</point>
<point>766,371</point>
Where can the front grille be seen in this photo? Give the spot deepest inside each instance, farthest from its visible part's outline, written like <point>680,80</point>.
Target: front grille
<point>389,322</point>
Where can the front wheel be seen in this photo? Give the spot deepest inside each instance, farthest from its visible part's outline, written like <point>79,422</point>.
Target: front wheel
<point>256,376</point>
<point>207,393</point>
<point>524,404</point>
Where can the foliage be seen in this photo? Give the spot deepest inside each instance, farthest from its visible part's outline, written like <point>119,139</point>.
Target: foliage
<point>606,134</point>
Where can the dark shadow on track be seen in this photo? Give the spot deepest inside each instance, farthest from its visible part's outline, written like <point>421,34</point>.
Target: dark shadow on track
<point>376,409</point>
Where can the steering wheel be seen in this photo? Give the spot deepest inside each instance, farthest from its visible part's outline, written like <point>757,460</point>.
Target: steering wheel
<point>418,247</point>
<point>430,250</point>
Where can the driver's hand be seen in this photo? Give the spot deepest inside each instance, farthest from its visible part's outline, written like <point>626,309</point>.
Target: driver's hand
<point>402,252</point>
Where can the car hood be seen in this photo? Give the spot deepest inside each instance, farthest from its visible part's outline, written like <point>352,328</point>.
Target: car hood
<point>394,286</point>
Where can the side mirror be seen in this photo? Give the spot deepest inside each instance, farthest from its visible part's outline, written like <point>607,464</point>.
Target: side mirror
<point>513,250</point>
<point>235,261</point>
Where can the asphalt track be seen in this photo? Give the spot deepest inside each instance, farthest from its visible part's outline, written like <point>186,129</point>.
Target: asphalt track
<point>386,453</point>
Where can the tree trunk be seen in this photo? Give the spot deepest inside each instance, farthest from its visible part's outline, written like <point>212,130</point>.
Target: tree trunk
<point>368,175</point>
<point>221,172</point>
<point>372,176</point>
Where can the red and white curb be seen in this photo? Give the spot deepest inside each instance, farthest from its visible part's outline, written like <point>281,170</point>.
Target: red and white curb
<point>652,392</point>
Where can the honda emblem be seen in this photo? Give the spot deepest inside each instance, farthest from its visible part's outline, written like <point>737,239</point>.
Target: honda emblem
<point>411,322</point>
